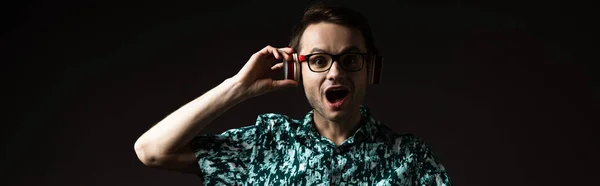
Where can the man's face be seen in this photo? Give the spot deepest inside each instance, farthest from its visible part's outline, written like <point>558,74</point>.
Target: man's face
<point>336,94</point>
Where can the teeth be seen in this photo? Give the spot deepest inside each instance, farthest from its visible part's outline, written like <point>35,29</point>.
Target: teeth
<point>336,89</point>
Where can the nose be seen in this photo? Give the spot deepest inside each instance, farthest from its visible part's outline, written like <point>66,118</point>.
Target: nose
<point>335,72</point>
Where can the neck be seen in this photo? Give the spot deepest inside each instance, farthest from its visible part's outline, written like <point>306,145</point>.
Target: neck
<point>337,131</point>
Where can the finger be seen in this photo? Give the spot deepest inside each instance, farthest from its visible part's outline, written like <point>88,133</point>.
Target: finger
<point>276,71</point>
<point>287,53</point>
<point>275,53</point>
<point>288,57</point>
<point>266,52</point>
<point>288,50</point>
<point>277,66</point>
<point>263,52</point>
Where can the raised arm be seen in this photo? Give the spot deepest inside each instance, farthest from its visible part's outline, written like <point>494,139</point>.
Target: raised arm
<point>166,144</point>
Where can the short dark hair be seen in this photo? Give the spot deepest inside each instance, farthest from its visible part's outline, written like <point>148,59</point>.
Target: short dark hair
<point>331,13</point>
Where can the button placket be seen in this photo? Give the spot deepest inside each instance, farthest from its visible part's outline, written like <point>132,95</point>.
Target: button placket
<point>334,166</point>
<point>337,167</point>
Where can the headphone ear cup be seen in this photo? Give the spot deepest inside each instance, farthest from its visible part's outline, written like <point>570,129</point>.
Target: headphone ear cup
<point>291,69</point>
<point>370,70</point>
<point>375,69</point>
<point>297,71</point>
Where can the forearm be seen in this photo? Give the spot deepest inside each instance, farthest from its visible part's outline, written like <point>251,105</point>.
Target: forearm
<point>178,128</point>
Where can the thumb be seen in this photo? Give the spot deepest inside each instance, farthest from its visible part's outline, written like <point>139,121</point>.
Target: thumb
<point>277,84</point>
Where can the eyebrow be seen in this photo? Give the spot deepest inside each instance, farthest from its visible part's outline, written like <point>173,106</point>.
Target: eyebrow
<point>350,48</point>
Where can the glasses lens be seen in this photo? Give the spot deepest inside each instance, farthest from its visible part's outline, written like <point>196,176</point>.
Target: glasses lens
<point>319,62</point>
<point>352,62</point>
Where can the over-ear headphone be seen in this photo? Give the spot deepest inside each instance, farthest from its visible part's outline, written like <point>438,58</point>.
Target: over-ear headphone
<point>292,69</point>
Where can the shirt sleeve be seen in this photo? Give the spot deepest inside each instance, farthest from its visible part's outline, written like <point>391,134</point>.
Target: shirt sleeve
<point>429,170</point>
<point>223,158</point>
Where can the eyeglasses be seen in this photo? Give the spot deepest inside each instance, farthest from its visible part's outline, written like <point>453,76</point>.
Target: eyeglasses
<point>321,62</point>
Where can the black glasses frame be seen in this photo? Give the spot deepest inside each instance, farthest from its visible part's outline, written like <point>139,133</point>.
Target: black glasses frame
<point>336,58</point>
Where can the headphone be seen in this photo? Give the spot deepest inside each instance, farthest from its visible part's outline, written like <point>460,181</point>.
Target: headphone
<point>292,69</point>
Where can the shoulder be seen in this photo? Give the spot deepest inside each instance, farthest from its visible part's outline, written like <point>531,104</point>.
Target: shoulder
<point>401,142</point>
<point>409,143</point>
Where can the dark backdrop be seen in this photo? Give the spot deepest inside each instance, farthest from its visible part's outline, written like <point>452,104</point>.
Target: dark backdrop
<point>498,89</point>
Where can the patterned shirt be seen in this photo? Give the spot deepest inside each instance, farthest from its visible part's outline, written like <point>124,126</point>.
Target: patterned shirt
<point>279,150</point>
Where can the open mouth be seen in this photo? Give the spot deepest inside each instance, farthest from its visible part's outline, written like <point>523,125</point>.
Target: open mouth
<point>337,95</point>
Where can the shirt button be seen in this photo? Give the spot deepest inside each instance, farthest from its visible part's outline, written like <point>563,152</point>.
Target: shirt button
<point>337,150</point>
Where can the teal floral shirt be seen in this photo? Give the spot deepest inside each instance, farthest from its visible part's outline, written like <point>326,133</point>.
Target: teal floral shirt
<point>279,150</point>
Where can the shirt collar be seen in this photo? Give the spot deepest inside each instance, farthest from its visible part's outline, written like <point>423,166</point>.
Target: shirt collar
<point>368,126</point>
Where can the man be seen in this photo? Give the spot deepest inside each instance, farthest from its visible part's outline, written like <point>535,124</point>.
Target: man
<point>339,142</point>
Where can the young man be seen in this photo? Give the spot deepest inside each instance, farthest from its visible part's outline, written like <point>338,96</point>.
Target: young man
<point>338,142</point>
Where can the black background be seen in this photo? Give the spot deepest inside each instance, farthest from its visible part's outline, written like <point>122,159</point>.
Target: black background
<point>500,90</point>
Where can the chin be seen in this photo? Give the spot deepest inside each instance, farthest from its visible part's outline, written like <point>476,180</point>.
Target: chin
<point>341,115</point>
<point>337,115</point>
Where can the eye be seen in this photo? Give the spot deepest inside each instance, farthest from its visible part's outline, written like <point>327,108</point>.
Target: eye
<point>351,60</point>
<point>318,61</point>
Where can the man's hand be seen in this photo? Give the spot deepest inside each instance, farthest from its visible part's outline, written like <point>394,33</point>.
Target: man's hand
<point>256,77</point>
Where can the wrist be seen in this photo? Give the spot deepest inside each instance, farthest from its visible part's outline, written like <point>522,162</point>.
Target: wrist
<point>234,89</point>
